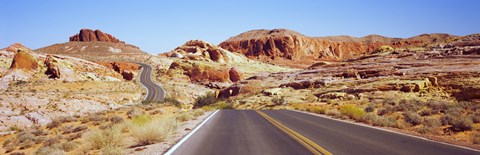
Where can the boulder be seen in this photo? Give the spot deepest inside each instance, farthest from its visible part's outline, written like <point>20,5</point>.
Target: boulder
<point>228,92</point>
<point>235,75</point>
<point>24,60</point>
<point>52,69</point>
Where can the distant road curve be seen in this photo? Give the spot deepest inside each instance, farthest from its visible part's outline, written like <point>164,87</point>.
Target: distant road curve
<point>155,93</point>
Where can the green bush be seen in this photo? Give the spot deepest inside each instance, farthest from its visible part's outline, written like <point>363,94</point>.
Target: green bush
<point>370,108</point>
<point>206,100</point>
<point>351,111</point>
<point>173,101</point>
<point>317,110</point>
<point>278,100</point>
<point>412,118</point>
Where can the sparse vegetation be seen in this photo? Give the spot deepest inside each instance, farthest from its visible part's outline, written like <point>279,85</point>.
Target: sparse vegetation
<point>206,100</point>
<point>154,131</point>
<point>351,111</point>
<point>412,118</point>
<point>185,116</point>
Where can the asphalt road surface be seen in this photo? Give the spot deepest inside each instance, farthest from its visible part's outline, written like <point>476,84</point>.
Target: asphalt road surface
<point>155,93</point>
<point>243,132</point>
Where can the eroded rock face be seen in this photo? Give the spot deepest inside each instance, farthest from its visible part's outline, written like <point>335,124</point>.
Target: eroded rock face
<point>199,50</point>
<point>24,59</point>
<point>291,45</point>
<point>198,72</point>
<point>124,68</point>
<point>87,35</point>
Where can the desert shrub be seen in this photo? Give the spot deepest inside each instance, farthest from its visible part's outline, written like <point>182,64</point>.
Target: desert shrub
<point>475,118</point>
<point>39,132</point>
<point>116,119</point>
<point>53,124</point>
<point>17,153</point>
<point>385,121</point>
<point>317,110</point>
<point>198,112</point>
<point>334,113</point>
<point>141,119</point>
<point>184,116</point>
<point>384,48</point>
<point>454,110</point>
<point>74,136</point>
<point>99,139</point>
<point>173,101</point>
<point>49,150</point>
<point>351,111</point>
<point>208,108</point>
<point>428,112</point>
<point>369,118</point>
<point>69,146</point>
<point>386,109</point>
<point>155,112</point>
<point>113,150</point>
<point>208,99</point>
<point>51,141</point>
<point>223,105</point>
<point>431,126</point>
<point>134,112</point>
<point>278,100</point>
<point>438,105</point>
<point>7,142</point>
<point>393,101</point>
<point>412,117</point>
<point>15,128</point>
<point>476,138</point>
<point>462,124</point>
<point>370,108</point>
<point>154,132</point>
<point>409,105</point>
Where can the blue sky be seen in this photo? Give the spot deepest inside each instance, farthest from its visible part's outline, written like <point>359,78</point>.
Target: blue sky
<point>160,26</point>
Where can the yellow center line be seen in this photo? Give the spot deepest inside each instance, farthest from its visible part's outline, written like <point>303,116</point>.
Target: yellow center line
<point>310,145</point>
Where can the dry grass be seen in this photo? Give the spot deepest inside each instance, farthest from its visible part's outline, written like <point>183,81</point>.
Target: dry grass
<point>185,116</point>
<point>154,131</point>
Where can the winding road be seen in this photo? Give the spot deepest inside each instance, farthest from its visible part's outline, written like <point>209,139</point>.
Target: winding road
<point>155,93</point>
<point>278,132</point>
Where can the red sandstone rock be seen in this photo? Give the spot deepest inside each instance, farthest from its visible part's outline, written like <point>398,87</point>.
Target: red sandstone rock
<point>87,35</point>
<point>24,59</point>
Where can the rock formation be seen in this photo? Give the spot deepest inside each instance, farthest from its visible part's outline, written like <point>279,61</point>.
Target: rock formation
<point>15,47</point>
<point>24,59</point>
<point>52,69</point>
<point>124,68</point>
<point>235,75</point>
<point>270,45</point>
<point>87,35</point>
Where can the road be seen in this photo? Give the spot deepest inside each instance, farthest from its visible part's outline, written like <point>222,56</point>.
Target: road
<point>240,132</point>
<point>155,93</point>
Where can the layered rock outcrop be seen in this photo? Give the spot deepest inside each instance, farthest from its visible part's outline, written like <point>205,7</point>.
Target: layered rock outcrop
<point>52,69</point>
<point>291,45</point>
<point>203,51</point>
<point>87,35</point>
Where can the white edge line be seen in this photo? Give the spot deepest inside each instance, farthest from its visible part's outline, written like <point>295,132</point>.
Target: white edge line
<point>176,146</point>
<point>391,131</point>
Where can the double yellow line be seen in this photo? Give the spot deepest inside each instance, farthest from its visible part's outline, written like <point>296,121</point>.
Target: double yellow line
<point>310,145</point>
